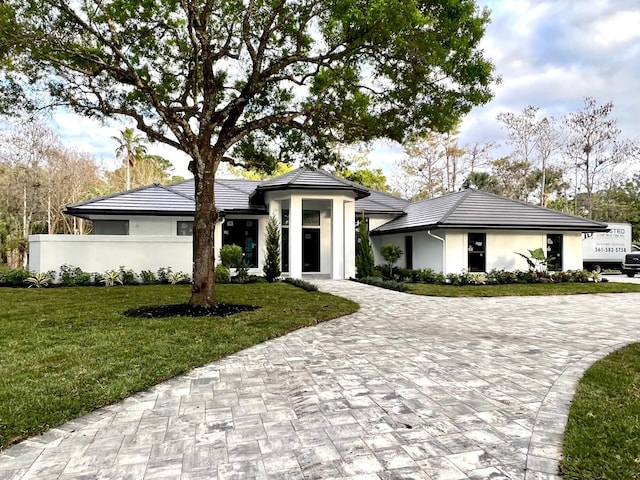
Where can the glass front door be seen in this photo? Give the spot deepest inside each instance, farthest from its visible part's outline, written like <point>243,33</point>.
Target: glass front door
<point>310,249</point>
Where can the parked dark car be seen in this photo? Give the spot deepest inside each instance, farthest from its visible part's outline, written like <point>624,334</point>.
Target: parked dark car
<point>631,264</point>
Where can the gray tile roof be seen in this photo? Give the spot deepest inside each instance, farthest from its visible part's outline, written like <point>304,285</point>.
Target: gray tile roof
<point>477,209</point>
<point>307,179</point>
<point>175,199</point>
<point>380,202</point>
<point>465,209</point>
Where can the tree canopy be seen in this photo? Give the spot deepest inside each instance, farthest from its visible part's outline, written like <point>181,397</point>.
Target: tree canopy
<point>252,81</point>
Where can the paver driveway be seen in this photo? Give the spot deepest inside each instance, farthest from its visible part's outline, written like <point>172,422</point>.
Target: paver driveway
<point>408,387</point>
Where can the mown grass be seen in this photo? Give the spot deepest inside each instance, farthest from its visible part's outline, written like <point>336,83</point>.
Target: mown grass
<point>602,438</point>
<point>67,351</point>
<point>521,289</point>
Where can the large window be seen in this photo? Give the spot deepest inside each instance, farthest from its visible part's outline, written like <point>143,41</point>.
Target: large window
<point>554,252</point>
<point>477,258</point>
<point>110,227</point>
<point>284,248</point>
<point>311,218</point>
<point>408,251</point>
<point>243,233</point>
<point>185,229</point>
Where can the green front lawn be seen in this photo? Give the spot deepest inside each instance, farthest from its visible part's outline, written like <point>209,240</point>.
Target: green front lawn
<point>521,289</point>
<point>67,351</point>
<point>602,438</point>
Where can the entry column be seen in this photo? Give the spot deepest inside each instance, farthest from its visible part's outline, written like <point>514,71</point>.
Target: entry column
<point>295,236</point>
<point>337,238</point>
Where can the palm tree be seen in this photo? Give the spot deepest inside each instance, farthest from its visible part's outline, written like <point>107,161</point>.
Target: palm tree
<point>130,149</point>
<point>482,181</point>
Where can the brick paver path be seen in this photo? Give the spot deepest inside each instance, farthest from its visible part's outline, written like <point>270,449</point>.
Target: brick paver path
<point>407,388</point>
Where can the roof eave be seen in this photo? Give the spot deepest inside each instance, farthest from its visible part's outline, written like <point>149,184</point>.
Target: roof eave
<point>260,191</point>
<point>85,213</point>
<point>538,228</point>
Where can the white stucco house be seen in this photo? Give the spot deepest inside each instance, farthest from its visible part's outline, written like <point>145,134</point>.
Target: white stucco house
<point>150,227</point>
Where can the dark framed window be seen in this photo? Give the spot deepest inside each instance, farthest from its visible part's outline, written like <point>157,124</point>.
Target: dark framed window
<point>110,227</point>
<point>554,251</point>
<point>285,217</point>
<point>477,258</point>
<point>284,254</point>
<point>408,251</point>
<point>311,218</point>
<point>243,233</point>
<point>185,228</point>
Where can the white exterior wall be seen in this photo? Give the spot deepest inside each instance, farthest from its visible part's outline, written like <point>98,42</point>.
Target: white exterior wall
<point>99,253</point>
<point>572,250</point>
<point>428,251</point>
<point>375,220</point>
<point>456,251</point>
<point>393,239</point>
<point>150,225</point>
<point>502,248</point>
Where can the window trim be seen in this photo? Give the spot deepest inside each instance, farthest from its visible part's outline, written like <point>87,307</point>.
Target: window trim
<point>476,253</point>
<point>179,230</point>
<point>255,253</point>
<point>101,221</point>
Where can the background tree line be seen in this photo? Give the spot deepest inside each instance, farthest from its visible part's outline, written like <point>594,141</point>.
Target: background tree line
<point>578,164</point>
<point>40,176</point>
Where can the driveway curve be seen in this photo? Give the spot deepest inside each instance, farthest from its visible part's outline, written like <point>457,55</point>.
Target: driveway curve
<point>409,387</point>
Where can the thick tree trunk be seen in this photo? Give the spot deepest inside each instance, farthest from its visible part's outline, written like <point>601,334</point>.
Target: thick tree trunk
<point>203,292</point>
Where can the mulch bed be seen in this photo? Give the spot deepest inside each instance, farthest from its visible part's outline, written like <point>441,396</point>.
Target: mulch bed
<point>186,310</point>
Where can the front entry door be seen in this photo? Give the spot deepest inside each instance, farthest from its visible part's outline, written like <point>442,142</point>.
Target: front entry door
<point>310,249</point>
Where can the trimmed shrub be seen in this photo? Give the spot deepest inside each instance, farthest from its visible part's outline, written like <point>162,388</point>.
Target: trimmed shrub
<point>230,255</point>
<point>500,277</point>
<point>408,275</point>
<point>296,282</point>
<point>147,277</point>
<point>222,274</point>
<point>128,276</point>
<point>163,274</point>
<point>428,275</point>
<point>13,277</point>
<point>383,283</point>
<point>74,276</point>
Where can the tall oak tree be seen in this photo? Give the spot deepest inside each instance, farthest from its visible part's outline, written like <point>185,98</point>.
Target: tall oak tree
<point>250,82</point>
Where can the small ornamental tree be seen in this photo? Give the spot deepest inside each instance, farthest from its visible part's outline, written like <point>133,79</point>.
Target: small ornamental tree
<point>391,253</point>
<point>271,267</point>
<point>365,263</point>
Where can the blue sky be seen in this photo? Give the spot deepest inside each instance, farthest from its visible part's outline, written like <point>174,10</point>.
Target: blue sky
<point>550,54</point>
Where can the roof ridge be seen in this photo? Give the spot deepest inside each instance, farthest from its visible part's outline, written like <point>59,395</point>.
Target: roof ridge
<point>539,207</point>
<point>359,185</point>
<point>296,175</point>
<point>112,195</point>
<point>233,187</point>
<point>371,199</point>
<point>169,189</point>
<point>465,193</point>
